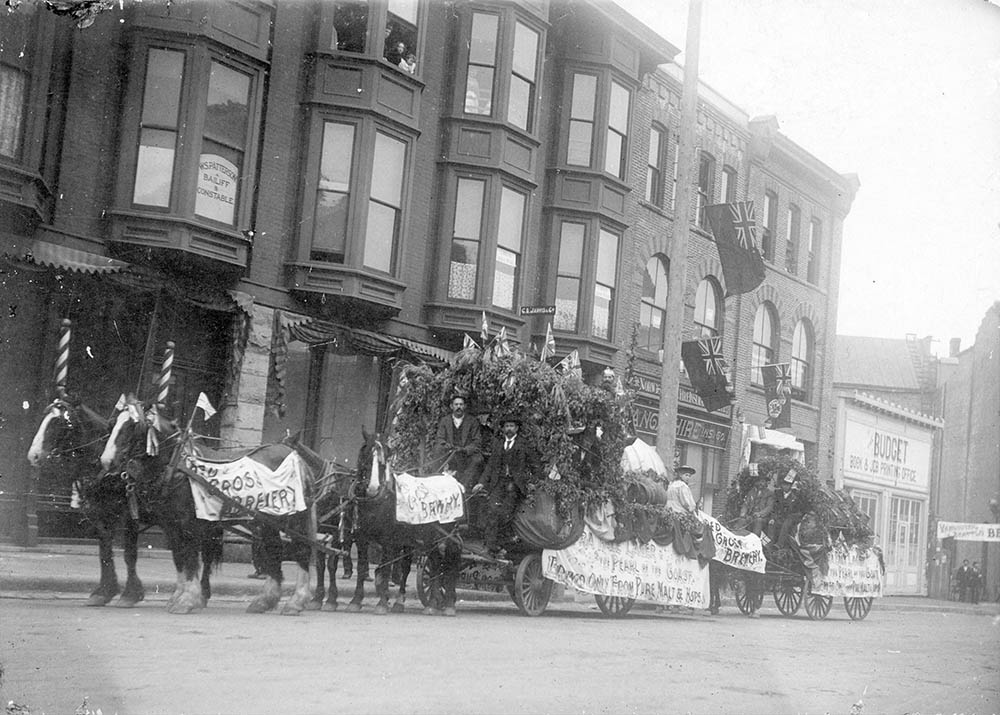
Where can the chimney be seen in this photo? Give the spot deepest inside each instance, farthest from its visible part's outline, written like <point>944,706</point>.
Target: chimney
<point>954,347</point>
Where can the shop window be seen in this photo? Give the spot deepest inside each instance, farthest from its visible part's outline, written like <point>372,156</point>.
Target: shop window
<point>194,134</point>
<point>792,239</point>
<point>592,98</point>
<point>604,287</point>
<point>653,305</point>
<point>728,187</point>
<point>706,309</point>
<point>569,275</point>
<point>655,165</point>
<point>815,239</point>
<point>769,218</point>
<point>802,359</point>
<point>463,270</point>
<point>706,185</point>
<point>510,233</point>
<point>764,333</point>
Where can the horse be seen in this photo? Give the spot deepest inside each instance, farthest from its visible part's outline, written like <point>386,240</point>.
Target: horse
<point>137,445</point>
<point>69,441</point>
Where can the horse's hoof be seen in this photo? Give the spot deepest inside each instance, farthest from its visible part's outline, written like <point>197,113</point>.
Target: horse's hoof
<point>398,608</point>
<point>353,607</point>
<point>381,610</point>
<point>291,611</point>
<point>313,606</point>
<point>127,602</point>
<point>330,606</point>
<point>449,611</point>
<point>183,609</point>
<point>96,600</point>
<point>431,611</point>
<point>260,606</point>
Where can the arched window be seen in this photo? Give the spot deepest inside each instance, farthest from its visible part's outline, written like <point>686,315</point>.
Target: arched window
<point>802,358</point>
<point>764,332</point>
<point>707,317</point>
<point>653,307</point>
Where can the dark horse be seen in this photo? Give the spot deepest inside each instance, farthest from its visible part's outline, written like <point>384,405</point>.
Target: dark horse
<point>67,446</point>
<point>141,446</point>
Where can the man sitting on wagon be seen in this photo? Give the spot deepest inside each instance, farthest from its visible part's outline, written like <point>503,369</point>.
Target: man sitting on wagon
<point>511,467</point>
<point>457,443</point>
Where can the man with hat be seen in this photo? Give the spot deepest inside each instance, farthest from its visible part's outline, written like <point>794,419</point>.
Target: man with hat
<point>679,496</point>
<point>788,508</point>
<point>512,465</point>
<point>457,443</point>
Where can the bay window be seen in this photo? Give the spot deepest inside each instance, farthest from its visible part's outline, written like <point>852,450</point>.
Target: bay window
<point>586,278</point>
<point>384,203</point>
<point>581,120</point>
<point>482,64</point>
<point>333,192</point>
<point>510,233</point>
<point>385,29</point>
<point>463,267</point>
<point>595,101</point>
<point>569,274</point>
<point>604,287</point>
<point>522,80</point>
<point>615,154</point>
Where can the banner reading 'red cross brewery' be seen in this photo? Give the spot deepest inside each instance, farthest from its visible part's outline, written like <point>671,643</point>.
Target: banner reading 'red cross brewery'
<point>645,572</point>
<point>741,552</point>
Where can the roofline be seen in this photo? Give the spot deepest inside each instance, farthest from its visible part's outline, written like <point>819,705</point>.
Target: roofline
<point>873,402</point>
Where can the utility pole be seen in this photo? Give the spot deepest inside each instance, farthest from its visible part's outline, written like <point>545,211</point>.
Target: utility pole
<point>677,274</point>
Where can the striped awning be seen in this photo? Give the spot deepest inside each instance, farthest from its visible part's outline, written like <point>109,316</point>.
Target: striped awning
<point>52,254</point>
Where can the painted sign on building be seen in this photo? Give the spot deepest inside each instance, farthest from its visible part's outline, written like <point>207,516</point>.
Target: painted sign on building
<point>885,453</point>
<point>217,184</point>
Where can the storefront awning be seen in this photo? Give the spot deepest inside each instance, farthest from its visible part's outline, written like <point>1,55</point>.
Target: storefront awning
<point>51,254</point>
<point>779,440</point>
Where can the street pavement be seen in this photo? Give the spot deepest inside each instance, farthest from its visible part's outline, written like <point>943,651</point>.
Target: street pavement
<point>71,571</point>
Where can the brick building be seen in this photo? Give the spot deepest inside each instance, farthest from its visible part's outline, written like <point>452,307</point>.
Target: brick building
<point>266,185</point>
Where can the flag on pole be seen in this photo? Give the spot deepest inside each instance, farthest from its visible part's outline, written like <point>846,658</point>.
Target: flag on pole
<point>778,394</point>
<point>735,229</point>
<point>707,370</point>
<point>205,405</point>
<point>485,332</point>
<point>570,365</point>
<point>549,348</point>
<point>468,343</point>
<point>502,346</point>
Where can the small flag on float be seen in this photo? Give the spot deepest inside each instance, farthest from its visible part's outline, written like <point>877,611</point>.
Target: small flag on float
<point>120,405</point>
<point>484,333</point>
<point>468,343</point>
<point>502,346</point>
<point>549,348</point>
<point>205,405</point>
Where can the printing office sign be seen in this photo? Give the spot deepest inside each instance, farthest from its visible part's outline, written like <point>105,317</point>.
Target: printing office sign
<point>886,454</point>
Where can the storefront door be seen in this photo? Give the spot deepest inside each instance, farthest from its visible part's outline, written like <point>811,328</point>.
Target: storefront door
<point>904,555</point>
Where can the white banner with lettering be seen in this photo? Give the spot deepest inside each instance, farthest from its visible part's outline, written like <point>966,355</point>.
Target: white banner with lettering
<point>740,552</point>
<point>851,574</point>
<point>250,484</point>
<point>645,572</point>
<point>968,532</point>
<point>423,500</point>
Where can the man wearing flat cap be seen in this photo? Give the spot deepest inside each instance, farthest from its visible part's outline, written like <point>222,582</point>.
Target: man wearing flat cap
<point>679,496</point>
<point>457,443</point>
<point>511,466</point>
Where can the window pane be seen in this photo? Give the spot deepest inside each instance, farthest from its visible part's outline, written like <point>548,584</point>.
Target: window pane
<point>571,249</point>
<point>511,220</point>
<point>505,279</point>
<point>479,90</point>
<point>154,168</point>
<point>483,49</point>
<point>525,51</point>
<point>602,312</point>
<point>613,155</point>
<point>567,302</point>
<point>337,157</point>
<point>618,110</point>
<point>469,208</point>
<point>584,91</point>
<point>387,176</point>
<point>12,84</point>
<point>404,9</point>
<point>350,21</point>
<point>380,236</point>
<point>654,147</point>
<point>462,270</point>
<point>333,191</point>
<point>330,226</point>
<point>217,190</point>
<point>161,99</point>
<point>607,258</point>
<point>228,105</point>
<point>578,150</point>
<point>519,106</point>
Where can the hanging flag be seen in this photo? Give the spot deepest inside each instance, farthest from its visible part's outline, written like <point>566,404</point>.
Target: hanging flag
<point>735,229</point>
<point>778,394</point>
<point>502,346</point>
<point>570,365</point>
<point>205,405</point>
<point>484,333</point>
<point>707,370</point>
<point>549,348</point>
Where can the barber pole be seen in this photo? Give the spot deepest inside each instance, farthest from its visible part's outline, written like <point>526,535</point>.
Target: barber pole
<point>62,358</point>
<point>166,372</point>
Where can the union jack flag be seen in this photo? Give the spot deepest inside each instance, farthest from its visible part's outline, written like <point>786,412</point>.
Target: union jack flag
<point>745,224</point>
<point>711,353</point>
<point>783,378</point>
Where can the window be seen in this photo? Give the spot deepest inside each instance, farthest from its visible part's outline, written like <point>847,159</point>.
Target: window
<point>802,348</point>
<point>350,26</point>
<point>868,505</point>
<point>815,238</point>
<point>604,289</point>
<point>581,120</point>
<point>770,218</point>
<point>654,165</point>
<point>902,550</point>
<point>467,234</point>
<point>763,342</point>
<point>387,30</point>
<point>569,275</point>
<point>653,305</point>
<point>706,185</point>
<point>15,80</point>
<point>347,220</point>
<point>510,232</point>
<point>728,184</point>
<point>194,131</point>
<point>400,32</point>
<point>792,239</point>
<point>673,187</point>
<point>706,309</point>
<point>615,151</point>
<point>594,102</point>
<point>489,62</point>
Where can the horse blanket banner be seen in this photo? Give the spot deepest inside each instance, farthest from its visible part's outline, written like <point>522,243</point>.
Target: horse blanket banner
<point>851,574</point>
<point>424,500</point>
<point>744,552</point>
<point>250,484</point>
<point>645,572</point>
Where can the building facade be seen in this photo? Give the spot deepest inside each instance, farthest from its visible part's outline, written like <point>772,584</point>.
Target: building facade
<point>275,188</point>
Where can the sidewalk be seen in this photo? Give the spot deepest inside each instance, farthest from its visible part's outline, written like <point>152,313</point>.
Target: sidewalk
<point>72,571</point>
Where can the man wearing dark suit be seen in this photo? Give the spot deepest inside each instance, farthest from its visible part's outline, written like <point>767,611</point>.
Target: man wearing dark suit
<point>510,469</point>
<point>457,443</point>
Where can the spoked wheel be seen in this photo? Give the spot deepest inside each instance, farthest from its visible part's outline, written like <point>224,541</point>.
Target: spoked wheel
<point>857,608</point>
<point>424,585</point>
<point>614,606</point>
<point>788,597</point>
<point>818,607</point>
<point>531,588</point>
<point>747,600</point>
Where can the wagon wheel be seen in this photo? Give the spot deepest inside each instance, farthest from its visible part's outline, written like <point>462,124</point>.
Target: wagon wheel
<point>857,608</point>
<point>531,588</point>
<point>424,584</point>
<point>788,597</point>
<point>747,600</point>
<point>614,606</point>
<point>818,607</point>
